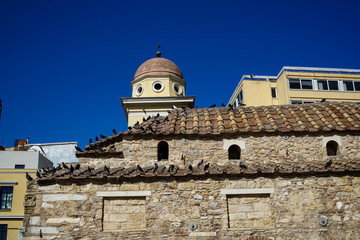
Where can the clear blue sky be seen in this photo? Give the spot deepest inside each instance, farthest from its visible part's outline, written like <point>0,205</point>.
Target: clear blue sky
<point>65,64</point>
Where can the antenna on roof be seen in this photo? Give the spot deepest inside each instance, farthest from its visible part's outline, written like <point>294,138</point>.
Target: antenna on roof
<point>158,53</point>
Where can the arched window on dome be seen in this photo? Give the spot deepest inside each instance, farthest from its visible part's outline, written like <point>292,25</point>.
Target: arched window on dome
<point>163,150</point>
<point>234,152</point>
<point>332,148</point>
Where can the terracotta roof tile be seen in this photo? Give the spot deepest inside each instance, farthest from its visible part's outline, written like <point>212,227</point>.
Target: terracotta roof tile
<point>312,117</point>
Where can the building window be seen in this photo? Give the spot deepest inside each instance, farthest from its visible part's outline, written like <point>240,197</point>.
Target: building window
<point>139,89</point>
<point>163,150</point>
<point>332,85</point>
<point>300,101</point>
<point>273,92</point>
<point>177,89</point>
<point>300,84</point>
<point>332,148</point>
<point>6,197</point>
<point>19,166</point>
<point>158,86</point>
<point>3,231</point>
<point>234,152</point>
<point>351,85</point>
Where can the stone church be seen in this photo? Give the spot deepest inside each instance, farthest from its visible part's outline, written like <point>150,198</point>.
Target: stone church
<point>269,172</point>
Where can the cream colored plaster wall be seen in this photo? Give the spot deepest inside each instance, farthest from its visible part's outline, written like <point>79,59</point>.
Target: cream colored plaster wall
<point>282,86</point>
<point>257,93</point>
<point>167,91</point>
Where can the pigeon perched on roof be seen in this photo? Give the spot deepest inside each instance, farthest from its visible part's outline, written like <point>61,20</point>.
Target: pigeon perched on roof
<point>201,162</point>
<point>102,136</point>
<point>28,177</point>
<point>38,174</point>
<point>206,167</point>
<point>78,149</point>
<point>77,166</point>
<point>139,168</point>
<point>212,106</point>
<point>328,164</point>
<point>96,138</point>
<point>114,131</point>
<point>156,166</point>
<point>90,141</point>
<point>190,167</point>
<point>242,165</point>
<point>64,165</point>
<point>171,168</point>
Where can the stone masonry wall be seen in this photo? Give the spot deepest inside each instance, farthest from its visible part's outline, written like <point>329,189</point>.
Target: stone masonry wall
<point>269,206</point>
<point>297,147</point>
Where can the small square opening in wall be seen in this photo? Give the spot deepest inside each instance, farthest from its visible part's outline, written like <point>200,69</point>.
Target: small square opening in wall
<point>124,213</point>
<point>249,211</point>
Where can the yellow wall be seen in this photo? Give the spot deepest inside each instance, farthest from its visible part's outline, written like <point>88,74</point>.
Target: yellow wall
<point>17,208</point>
<point>257,93</point>
<point>168,90</point>
<point>287,94</point>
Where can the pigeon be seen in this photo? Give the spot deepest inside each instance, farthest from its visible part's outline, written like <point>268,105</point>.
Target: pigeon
<point>328,164</point>
<point>190,167</point>
<point>78,149</point>
<point>129,128</point>
<point>28,177</point>
<point>144,111</point>
<point>242,165</point>
<point>142,129</point>
<point>206,167</point>
<point>77,166</point>
<point>106,169</point>
<point>155,167</point>
<point>114,131</point>
<point>38,174</point>
<point>323,100</point>
<point>201,162</point>
<point>102,136</point>
<point>148,118</point>
<point>157,115</point>
<point>64,165</point>
<point>144,119</point>
<point>136,124</point>
<point>171,168</point>
<point>96,138</point>
<point>212,106</point>
<point>139,168</point>
<point>166,118</point>
<point>90,141</point>
<point>71,168</point>
<point>222,104</point>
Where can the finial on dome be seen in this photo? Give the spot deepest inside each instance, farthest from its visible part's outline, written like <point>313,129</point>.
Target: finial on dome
<point>158,53</point>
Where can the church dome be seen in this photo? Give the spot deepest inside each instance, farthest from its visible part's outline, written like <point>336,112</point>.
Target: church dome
<point>159,66</point>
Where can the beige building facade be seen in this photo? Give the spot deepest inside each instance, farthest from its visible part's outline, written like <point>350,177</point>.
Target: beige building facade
<point>296,85</point>
<point>269,172</point>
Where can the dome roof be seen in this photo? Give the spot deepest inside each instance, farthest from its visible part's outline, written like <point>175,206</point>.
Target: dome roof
<point>158,65</point>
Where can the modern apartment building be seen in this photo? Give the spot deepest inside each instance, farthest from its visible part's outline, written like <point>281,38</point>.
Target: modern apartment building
<point>13,168</point>
<point>294,85</point>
